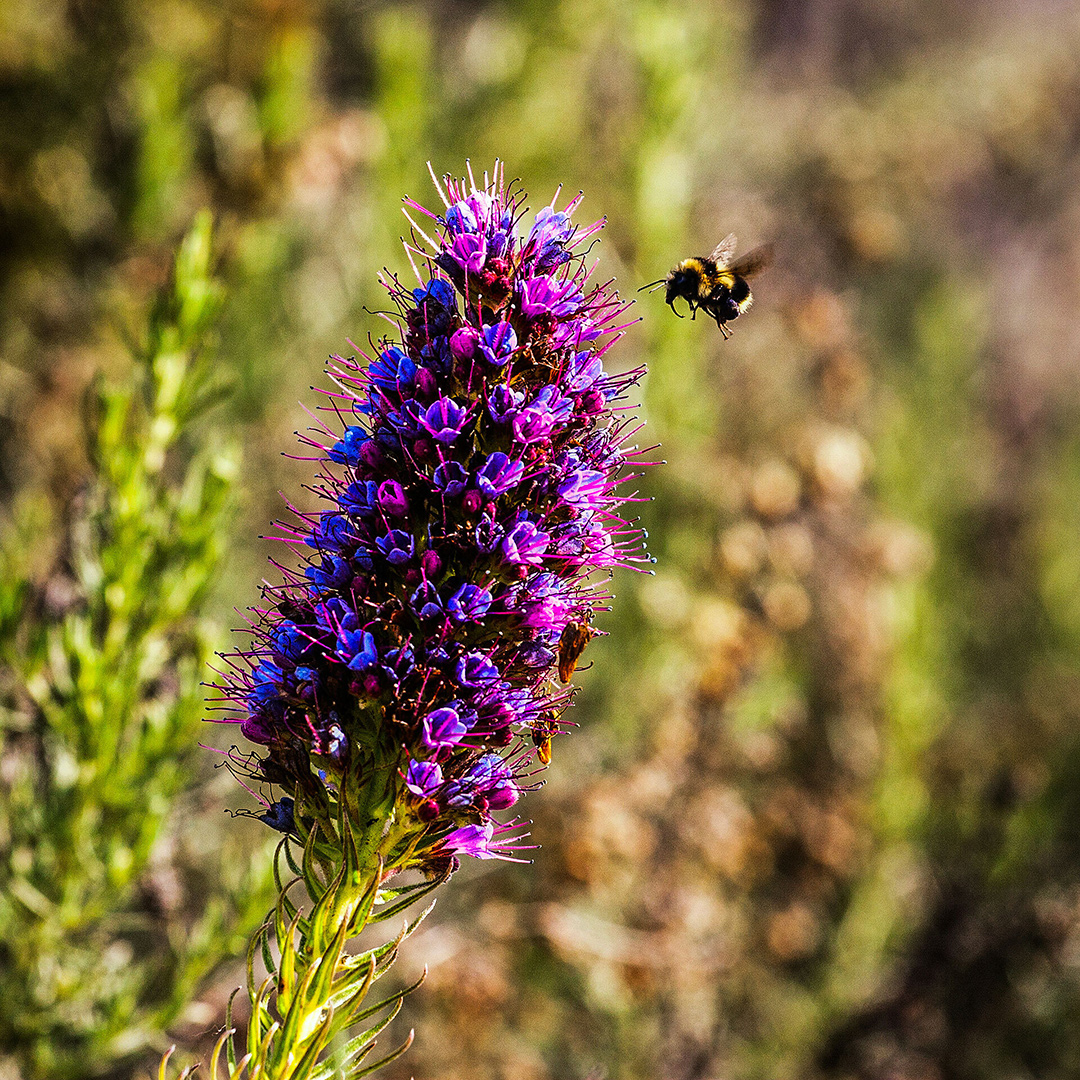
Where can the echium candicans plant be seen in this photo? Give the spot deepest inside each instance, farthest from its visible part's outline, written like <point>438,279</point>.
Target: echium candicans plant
<point>402,681</point>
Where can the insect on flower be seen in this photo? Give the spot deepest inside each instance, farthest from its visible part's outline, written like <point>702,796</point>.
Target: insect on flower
<point>714,283</point>
<point>572,642</point>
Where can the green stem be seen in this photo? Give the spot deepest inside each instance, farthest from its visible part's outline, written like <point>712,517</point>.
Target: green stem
<point>316,990</point>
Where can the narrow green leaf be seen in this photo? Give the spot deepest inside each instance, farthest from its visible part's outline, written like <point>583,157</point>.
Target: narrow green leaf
<point>263,933</point>
<point>225,1038</point>
<point>392,1056</point>
<point>407,897</point>
<point>287,974</point>
<point>230,1047</point>
<point>371,1010</point>
<point>356,1048</point>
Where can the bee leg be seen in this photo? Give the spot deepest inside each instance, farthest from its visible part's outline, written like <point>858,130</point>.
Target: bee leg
<point>724,330</point>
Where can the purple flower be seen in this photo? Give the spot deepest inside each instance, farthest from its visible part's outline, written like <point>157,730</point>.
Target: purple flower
<point>492,778</point>
<point>497,343</point>
<point>498,474</point>
<point>450,478</point>
<point>392,499</point>
<point>584,489</point>
<point>524,544</point>
<point>443,728</point>
<point>586,369</point>
<point>469,215</point>
<point>360,498</point>
<point>547,410</point>
<point>426,602</point>
<point>417,639</point>
<point>463,343</point>
<point>479,841</point>
<point>475,669</point>
<point>548,296</point>
<point>503,403</point>
<point>469,604</point>
<point>444,420</point>
<point>547,603</point>
<point>423,778</point>
<point>468,251</point>
<point>551,226</point>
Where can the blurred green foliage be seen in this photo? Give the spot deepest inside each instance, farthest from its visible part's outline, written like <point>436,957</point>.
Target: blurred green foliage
<point>819,819</point>
<point>104,656</point>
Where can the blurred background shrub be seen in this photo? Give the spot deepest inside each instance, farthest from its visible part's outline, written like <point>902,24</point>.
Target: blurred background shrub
<point>104,932</point>
<point>819,819</point>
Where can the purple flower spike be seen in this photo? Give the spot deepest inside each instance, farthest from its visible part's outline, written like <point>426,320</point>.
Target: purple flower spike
<point>471,494</point>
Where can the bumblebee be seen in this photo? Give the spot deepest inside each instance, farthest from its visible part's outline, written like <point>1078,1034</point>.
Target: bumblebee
<point>714,284</point>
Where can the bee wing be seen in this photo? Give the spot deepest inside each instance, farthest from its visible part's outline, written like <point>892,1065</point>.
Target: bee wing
<point>723,252</point>
<point>753,262</point>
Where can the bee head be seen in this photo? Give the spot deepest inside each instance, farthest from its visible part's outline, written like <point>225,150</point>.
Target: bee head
<point>681,281</point>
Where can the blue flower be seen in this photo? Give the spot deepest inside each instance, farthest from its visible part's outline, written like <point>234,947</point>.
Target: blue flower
<point>357,649</point>
<point>397,546</point>
<point>279,815</point>
<point>332,573</point>
<point>436,291</point>
<point>346,451</point>
<point>498,475</point>
<point>393,369</point>
<point>469,604</point>
<point>497,343</point>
